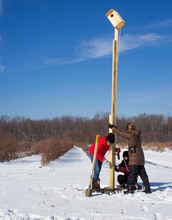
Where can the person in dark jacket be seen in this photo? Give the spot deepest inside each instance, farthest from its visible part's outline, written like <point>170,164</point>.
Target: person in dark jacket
<point>103,147</point>
<point>123,168</point>
<point>136,156</point>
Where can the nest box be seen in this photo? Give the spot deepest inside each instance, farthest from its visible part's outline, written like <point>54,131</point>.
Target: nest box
<point>115,19</point>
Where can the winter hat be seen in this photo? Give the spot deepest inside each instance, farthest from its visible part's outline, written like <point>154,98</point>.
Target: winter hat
<point>130,126</point>
<point>110,138</point>
<point>125,154</point>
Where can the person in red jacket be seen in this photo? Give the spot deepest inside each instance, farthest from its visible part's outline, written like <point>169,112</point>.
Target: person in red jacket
<point>103,147</point>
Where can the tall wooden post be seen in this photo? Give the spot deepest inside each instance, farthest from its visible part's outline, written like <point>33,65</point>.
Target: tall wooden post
<point>118,23</point>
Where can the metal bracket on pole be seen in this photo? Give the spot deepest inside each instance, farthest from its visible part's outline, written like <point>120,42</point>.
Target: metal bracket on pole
<point>118,23</point>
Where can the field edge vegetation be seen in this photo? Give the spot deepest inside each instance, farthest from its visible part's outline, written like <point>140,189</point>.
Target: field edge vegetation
<point>53,137</point>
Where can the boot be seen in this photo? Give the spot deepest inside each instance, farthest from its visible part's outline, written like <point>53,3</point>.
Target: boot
<point>129,190</point>
<point>96,185</point>
<point>122,186</point>
<point>147,189</point>
<point>137,186</point>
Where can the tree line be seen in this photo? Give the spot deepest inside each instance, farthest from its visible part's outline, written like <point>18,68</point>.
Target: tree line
<point>54,136</point>
<point>155,128</point>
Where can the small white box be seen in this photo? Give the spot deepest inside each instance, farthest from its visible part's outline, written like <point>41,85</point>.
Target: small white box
<point>115,19</point>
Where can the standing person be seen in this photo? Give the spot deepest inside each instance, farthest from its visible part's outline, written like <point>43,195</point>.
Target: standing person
<point>103,147</point>
<point>124,168</point>
<point>136,156</point>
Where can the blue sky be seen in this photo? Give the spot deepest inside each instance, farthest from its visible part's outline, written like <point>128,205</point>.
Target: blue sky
<point>56,58</point>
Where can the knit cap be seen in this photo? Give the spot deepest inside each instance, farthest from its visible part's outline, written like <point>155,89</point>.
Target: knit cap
<point>110,138</point>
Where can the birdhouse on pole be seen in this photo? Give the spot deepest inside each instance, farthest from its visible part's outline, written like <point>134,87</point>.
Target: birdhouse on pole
<point>115,19</point>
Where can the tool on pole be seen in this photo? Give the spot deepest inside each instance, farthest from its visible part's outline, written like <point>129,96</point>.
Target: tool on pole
<point>118,150</point>
<point>88,192</point>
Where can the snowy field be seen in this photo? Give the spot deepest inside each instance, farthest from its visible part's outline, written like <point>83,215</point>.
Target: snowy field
<point>56,191</point>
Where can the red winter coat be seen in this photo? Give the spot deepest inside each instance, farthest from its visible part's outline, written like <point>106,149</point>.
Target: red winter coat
<point>102,149</point>
<point>122,167</point>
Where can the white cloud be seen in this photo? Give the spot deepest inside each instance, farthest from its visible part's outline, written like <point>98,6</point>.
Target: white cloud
<point>98,47</point>
<point>161,24</point>
<point>130,42</point>
<point>95,48</point>
<point>1,68</point>
<point>102,46</point>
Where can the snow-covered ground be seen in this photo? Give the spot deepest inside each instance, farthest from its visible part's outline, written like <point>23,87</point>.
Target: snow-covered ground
<point>56,191</point>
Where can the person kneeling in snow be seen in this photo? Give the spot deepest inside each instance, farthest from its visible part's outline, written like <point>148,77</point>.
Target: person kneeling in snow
<point>123,168</point>
<point>103,147</point>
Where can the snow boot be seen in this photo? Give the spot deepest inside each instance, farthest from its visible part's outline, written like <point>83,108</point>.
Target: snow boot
<point>137,186</point>
<point>147,189</point>
<point>96,185</point>
<point>122,186</point>
<point>129,190</point>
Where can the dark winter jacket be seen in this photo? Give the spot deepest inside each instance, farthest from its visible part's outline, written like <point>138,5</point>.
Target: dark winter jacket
<point>102,149</point>
<point>134,140</point>
<point>122,167</point>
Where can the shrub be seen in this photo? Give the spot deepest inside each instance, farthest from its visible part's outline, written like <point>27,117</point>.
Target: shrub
<point>53,148</point>
<point>8,148</point>
<point>160,146</point>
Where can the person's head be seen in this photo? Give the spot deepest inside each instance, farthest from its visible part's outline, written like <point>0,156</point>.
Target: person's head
<point>110,138</point>
<point>125,155</point>
<point>130,126</point>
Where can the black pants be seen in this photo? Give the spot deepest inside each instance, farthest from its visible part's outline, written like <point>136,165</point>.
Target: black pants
<point>122,179</point>
<point>134,172</point>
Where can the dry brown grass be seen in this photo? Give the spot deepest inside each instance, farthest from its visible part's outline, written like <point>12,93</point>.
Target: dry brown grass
<point>49,149</point>
<point>154,146</point>
<point>8,148</point>
<point>160,146</point>
<point>52,149</point>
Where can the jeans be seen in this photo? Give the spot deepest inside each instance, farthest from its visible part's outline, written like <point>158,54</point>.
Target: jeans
<point>97,167</point>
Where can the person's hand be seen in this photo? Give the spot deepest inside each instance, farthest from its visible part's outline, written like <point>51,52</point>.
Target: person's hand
<point>108,162</point>
<point>105,160</point>
<point>112,126</point>
<point>116,168</point>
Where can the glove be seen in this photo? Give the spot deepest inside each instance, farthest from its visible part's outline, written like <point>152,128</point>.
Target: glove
<point>108,162</point>
<point>116,168</point>
<point>112,126</point>
<point>132,149</point>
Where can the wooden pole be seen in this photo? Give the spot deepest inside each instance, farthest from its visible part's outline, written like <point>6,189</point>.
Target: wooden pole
<point>112,116</point>
<point>117,23</point>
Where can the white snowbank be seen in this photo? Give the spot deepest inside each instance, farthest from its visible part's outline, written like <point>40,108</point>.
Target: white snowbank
<point>159,158</point>
<point>28,192</point>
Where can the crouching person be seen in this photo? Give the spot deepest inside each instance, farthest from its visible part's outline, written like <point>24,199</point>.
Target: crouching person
<point>123,168</point>
<point>103,146</point>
